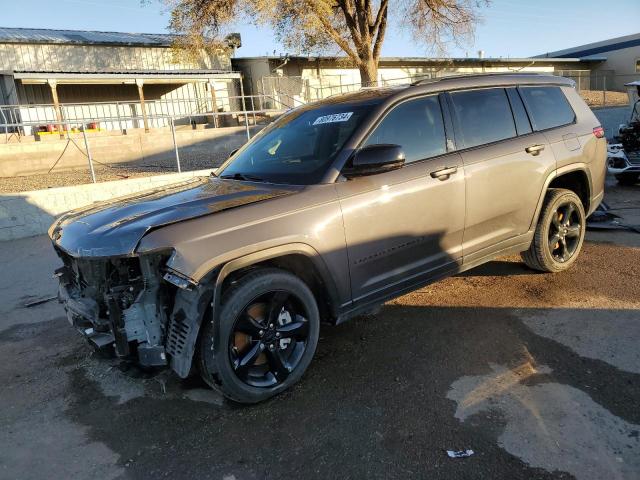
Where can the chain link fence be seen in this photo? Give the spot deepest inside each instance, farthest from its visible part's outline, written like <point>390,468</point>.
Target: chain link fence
<point>109,141</point>
<point>82,150</point>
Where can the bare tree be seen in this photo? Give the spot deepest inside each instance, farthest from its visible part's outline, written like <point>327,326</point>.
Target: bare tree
<point>357,27</point>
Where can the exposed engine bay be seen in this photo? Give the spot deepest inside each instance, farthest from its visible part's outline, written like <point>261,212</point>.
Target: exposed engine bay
<point>624,152</point>
<point>120,305</point>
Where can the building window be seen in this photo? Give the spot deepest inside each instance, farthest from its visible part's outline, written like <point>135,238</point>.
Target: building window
<point>638,65</point>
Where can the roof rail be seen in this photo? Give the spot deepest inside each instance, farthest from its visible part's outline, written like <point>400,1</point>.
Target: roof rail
<point>426,81</point>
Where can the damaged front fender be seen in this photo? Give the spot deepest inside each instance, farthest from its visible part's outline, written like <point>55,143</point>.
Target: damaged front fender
<point>192,306</point>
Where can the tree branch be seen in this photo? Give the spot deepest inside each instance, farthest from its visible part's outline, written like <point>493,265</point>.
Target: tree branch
<point>382,14</point>
<point>331,31</point>
<point>381,27</point>
<point>350,21</point>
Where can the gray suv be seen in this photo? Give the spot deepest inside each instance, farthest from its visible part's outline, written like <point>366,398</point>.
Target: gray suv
<point>335,208</point>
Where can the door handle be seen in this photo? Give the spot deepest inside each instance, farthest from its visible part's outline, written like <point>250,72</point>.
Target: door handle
<point>444,173</point>
<point>534,149</point>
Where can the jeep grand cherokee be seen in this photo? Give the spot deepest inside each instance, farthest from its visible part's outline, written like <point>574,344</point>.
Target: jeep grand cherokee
<point>336,207</point>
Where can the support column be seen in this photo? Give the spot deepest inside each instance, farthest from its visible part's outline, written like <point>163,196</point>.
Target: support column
<point>214,100</point>
<point>140,84</point>
<point>56,105</point>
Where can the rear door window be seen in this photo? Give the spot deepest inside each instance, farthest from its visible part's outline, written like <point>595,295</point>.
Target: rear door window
<point>548,107</point>
<point>415,125</point>
<point>484,116</point>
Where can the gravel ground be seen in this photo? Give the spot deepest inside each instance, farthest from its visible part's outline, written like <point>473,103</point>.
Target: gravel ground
<point>539,374</point>
<point>598,98</point>
<point>190,159</point>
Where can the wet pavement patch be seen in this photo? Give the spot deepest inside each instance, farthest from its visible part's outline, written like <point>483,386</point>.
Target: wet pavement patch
<point>550,425</point>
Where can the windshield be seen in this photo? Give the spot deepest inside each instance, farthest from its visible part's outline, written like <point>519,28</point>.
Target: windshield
<point>299,147</point>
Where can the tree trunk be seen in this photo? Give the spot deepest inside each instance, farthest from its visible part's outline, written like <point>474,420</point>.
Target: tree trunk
<point>368,73</point>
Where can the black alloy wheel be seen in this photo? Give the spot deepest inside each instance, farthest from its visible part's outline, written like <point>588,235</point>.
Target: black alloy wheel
<point>559,232</point>
<point>565,231</point>
<point>269,339</point>
<point>262,337</point>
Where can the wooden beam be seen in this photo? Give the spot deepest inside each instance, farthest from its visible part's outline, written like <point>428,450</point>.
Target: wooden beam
<point>56,105</point>
<point>140,84</point>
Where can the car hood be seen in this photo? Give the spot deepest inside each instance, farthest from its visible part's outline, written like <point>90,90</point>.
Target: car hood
<point>115,227</point>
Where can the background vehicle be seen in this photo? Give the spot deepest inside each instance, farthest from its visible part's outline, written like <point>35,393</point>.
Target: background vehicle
<point>335,208</point>
<point>624,155</point>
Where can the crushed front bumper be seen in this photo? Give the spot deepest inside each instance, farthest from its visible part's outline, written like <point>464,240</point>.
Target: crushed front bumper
<point>619,161</point>
<point>124,318</point>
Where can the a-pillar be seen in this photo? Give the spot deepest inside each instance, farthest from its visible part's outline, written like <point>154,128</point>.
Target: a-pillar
<point>56,105</point>
<point>140,84</point>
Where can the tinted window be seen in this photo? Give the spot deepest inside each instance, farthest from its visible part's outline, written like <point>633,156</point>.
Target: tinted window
<point>298,147</point>
<point>523,126</point>
<point>548,107</point>
<point>484,116</point>
<point>417,126</point>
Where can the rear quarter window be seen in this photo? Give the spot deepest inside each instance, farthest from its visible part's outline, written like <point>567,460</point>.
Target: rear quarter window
<point>548,107</point>
<point>484,116</point>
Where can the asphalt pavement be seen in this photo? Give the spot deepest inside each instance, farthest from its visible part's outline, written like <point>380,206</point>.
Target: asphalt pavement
<point>538,374</point>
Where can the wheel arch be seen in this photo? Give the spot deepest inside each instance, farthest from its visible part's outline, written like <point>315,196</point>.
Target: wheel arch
<point>192,305</point>
<point>577,181</point>
<point>299,259</point>
<point>574,177</point>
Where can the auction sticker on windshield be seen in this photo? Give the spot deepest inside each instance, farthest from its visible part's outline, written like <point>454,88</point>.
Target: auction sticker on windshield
<point>336,117</point>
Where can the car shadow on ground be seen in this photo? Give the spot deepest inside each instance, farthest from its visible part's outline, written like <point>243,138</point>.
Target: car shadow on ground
<point>377,402</point>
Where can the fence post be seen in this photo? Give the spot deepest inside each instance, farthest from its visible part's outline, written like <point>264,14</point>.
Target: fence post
<point>604,90</point>
<point>6,128</point>
<point>214,103</point>
<point>119,118</point>
<point>86,146</point>
<point>244,107</point>
<point>246,125</point>
<point>253,110</point>
<point>175,143</point>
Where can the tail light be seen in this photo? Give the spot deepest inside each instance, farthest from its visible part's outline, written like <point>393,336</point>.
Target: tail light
<point>598,132</point>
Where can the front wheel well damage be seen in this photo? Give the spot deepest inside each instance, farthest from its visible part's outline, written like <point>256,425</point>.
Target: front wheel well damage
<point>302,267</point>
<point>193,307</point>
<point>576,181</point>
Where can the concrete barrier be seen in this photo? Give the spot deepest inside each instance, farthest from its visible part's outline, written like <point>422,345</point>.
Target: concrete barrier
<point>27,214</point>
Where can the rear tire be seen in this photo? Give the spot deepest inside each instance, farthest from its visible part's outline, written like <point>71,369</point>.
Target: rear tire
<point>559,233</point>
<point>262,339</point>
<point>628,179</point>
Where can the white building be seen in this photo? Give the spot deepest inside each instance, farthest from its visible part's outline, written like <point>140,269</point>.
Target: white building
<point>620,55</point>
<point>296,79</point>
<point>52,75</point>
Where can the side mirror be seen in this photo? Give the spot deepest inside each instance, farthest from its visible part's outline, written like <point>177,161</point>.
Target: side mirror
<point>374,159</point>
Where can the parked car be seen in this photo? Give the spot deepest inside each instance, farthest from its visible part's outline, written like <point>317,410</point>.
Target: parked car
<point>335,208</point>
<point>624,152</point>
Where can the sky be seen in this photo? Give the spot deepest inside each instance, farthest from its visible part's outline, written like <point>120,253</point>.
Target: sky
<point>511,28</point>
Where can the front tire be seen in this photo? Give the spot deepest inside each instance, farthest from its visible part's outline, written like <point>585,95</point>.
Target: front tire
<point>559,234</point>
<point>263,338</point>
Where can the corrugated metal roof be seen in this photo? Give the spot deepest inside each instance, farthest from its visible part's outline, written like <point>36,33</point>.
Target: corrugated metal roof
<point>82,37</point>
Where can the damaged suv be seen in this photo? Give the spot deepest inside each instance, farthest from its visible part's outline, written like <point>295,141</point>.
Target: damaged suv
<point>335,208</point>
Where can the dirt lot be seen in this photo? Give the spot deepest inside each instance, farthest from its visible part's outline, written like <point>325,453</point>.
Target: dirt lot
<point>538,374</point>
<point>192,158</point>
<point>600,98</point>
